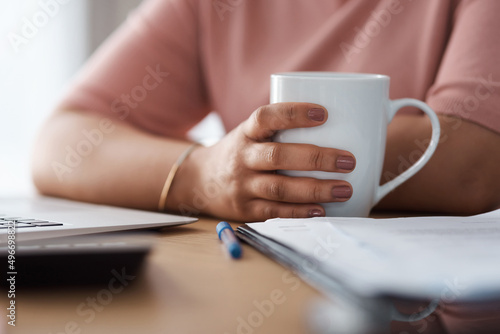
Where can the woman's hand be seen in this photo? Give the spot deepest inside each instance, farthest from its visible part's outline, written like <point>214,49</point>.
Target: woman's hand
<point>235,179</point>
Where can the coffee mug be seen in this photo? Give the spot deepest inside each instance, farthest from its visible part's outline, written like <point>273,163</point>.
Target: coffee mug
<point>359,110</point>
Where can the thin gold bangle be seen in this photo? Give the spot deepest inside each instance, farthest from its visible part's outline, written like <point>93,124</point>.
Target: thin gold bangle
<point>171,175</point>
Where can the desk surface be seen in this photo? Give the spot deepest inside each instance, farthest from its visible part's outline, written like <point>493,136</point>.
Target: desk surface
<point>189,285</point>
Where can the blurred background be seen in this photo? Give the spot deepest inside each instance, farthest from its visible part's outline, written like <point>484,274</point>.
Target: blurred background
<point>43,44</point>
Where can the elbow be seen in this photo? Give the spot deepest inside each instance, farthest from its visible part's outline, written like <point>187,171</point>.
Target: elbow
<point>48,169</point>
<point>479,193</point>
<point>43,176</point>
<point>471,158</point>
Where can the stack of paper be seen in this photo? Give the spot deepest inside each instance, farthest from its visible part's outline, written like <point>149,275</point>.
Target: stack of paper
<point>451,258</point>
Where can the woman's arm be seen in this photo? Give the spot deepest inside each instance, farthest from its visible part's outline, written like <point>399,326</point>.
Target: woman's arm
<point>463,176</point>
<point>77,157</point>
<point>87,157</point>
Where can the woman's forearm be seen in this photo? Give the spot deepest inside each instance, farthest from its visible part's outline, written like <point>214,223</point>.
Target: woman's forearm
<point>87,157</point>
<point>463,176</point>
<point>233,179</point>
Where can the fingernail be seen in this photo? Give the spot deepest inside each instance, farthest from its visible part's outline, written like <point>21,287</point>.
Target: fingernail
<point>316,213</point>
<point>345,163</point>
<point>316,114</point>
<point>342,192</point>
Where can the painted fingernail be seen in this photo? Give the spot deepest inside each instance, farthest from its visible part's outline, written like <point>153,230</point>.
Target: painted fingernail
<point>316,114</point>
<point>315,213</point>
<point>342,192</point>
<point>345,163</point>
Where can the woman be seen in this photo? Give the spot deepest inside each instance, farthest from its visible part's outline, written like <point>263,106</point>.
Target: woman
<point>119,131</point>
<point>121,128</point>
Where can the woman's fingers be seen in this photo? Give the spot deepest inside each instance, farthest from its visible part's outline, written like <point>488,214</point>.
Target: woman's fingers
<point>282,188</point>
<point>266,120</point>
<point>263,209</point>
<point>274,156</point>
<point>251,192</point>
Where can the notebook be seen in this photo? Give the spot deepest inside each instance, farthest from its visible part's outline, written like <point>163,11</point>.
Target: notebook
<point>45,217</point>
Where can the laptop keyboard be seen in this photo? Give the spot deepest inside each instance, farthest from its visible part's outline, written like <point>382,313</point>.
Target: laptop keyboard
<point>20,222</point>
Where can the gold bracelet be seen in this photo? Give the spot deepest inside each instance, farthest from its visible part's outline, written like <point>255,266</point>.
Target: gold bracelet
<point>171,175</point>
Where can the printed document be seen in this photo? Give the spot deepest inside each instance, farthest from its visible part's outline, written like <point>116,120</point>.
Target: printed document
<point>448,257</point>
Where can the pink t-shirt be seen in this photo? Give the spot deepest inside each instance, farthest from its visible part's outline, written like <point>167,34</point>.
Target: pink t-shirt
<point>174,61</point>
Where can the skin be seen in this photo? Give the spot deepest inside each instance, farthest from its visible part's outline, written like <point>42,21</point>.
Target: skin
<point>236,180</point>
<point>462,177</point>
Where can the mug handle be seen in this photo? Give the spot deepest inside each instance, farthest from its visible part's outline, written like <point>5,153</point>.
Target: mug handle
<point>394,106</point>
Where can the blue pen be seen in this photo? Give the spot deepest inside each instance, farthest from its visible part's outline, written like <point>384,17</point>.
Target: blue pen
<point>226,234</point>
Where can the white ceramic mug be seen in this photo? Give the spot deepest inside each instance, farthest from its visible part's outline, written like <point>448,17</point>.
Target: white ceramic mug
<point>359,110</point>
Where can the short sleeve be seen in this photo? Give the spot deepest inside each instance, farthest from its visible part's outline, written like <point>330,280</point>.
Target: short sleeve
<point>468,82</point>
<point>148,72</point>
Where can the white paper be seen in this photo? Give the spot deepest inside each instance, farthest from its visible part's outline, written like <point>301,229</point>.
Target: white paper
<point>454,258</point>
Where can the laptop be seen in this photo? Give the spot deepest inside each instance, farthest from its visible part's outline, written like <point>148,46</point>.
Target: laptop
<point>46,217</point>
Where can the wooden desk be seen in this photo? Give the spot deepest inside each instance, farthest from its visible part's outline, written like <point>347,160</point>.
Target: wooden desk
<point>189,285</point>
